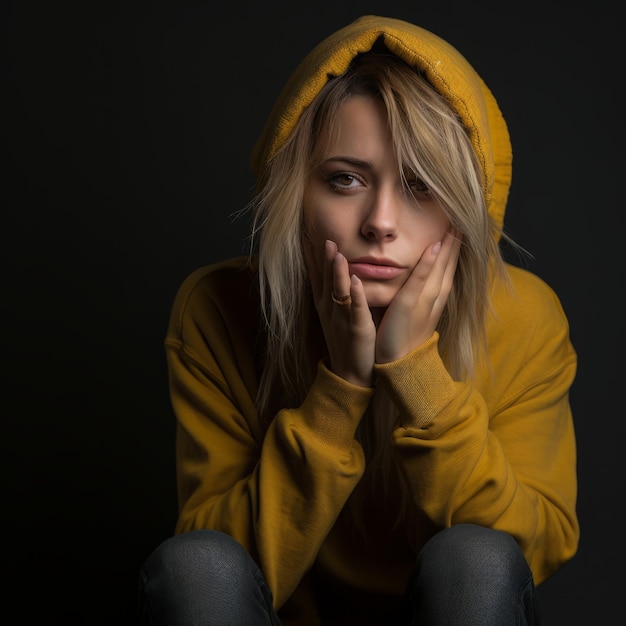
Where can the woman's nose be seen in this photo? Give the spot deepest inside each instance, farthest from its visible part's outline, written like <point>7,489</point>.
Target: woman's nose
<point>380,220</point>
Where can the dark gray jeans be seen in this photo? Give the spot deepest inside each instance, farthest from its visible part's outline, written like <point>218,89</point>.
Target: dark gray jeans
<point>465,575</point>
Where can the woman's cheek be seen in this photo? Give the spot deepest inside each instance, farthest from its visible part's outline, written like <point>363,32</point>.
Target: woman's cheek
<point>314,256</point>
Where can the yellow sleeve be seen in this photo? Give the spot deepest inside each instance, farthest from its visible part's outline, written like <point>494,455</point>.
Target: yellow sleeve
<point>499,452</point>
<point>277,492</point>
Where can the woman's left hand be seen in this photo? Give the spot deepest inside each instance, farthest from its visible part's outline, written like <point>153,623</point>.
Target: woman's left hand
<point>412,316</point>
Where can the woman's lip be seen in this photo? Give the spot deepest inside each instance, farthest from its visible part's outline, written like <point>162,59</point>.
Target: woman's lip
<point>373,270</point>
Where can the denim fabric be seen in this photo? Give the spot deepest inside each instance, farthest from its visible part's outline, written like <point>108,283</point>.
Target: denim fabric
<point>203,578</point>
<point>465,575</point>
<point>472,576</point>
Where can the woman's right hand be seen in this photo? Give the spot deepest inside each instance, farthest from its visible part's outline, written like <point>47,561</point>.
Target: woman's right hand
<point>348,327</point>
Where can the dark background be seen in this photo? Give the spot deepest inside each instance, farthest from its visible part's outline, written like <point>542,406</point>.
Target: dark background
<point>126,130</point>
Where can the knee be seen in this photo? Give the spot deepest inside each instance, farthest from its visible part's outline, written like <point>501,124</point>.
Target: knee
<point>468,549</point>
<point>481,574</point>
<point>207,551</point>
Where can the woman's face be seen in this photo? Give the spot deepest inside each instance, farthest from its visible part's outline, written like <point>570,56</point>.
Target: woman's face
<point>357,199</point>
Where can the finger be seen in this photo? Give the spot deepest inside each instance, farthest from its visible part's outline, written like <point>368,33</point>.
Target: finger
<point>360,311</point>
<point>330,251</point>
<point>451,261</point>
<point>422,272</point>
<point>439,285</point>
<point>341,276</point>
<point>426,280</point>
<point>444,257</point>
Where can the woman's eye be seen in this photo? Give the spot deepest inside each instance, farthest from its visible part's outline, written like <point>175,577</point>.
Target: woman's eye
<point>343,180</point>
<point>418,187</point>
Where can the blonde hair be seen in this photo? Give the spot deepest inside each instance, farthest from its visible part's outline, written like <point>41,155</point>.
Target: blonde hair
<point>431,142</point>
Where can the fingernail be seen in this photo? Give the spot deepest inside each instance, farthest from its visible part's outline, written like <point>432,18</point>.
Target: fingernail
<point>436,247</point>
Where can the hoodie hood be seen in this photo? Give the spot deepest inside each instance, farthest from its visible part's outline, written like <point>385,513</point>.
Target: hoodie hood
<point>443,66</point>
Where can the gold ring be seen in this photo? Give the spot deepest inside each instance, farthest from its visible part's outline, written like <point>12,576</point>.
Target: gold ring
<point>340,299</point>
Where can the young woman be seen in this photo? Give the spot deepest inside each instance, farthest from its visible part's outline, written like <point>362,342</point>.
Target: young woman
<point>373,415</point>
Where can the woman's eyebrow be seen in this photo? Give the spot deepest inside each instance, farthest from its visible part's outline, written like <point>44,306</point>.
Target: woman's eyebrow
<point>351,160</point>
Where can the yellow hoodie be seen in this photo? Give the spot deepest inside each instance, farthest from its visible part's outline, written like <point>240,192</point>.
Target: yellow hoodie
<point>498,452</point>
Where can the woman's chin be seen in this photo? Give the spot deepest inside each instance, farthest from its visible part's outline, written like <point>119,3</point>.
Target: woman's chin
<point>379,298</point>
